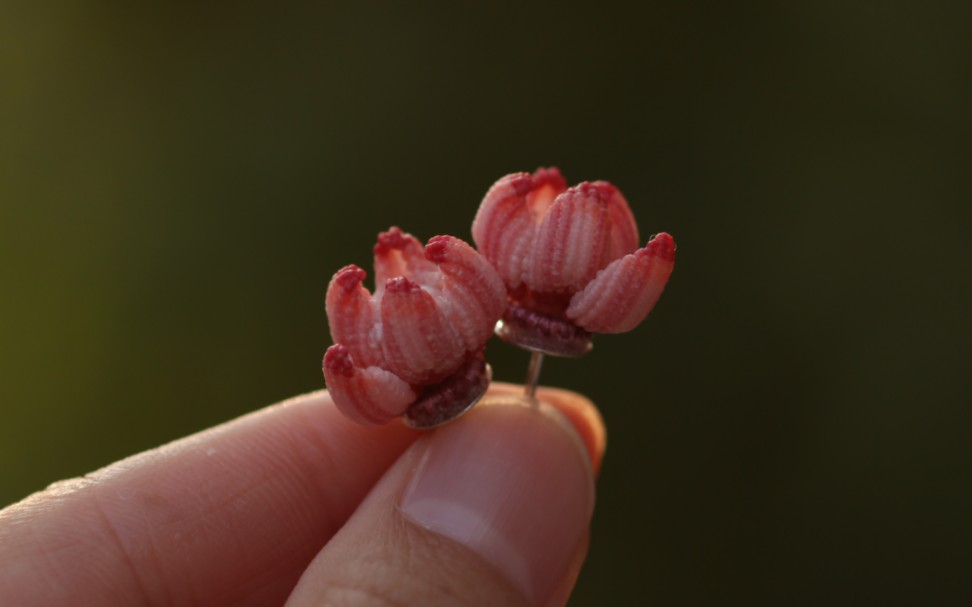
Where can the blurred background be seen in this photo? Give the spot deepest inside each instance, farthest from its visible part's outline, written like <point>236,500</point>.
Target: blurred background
<point>790,426</point>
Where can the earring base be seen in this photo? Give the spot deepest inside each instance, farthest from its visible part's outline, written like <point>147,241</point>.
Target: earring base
<point>537,332</point>
<point>447,400</point>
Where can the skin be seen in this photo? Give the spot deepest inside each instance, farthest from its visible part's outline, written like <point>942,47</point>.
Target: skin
<point>292,504</point>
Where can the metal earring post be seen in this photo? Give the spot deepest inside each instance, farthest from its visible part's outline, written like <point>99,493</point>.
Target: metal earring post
<point>533,374</point>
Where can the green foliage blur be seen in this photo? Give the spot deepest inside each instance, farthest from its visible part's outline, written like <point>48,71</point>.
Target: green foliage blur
<point>790,426</point>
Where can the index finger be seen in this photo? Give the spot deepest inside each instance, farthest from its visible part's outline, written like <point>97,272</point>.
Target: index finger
<point>231,515</point>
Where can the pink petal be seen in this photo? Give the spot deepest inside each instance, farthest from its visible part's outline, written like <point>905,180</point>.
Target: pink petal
<point>571,242</point>
<point>399,254</point>
<point>370,395</point>
<point>508,216</point>
<point>624,230</point>
<point>622,294</point>
<point>547,185</point>
<point>419,344</point>
<point>472,294</point>
<point>352,314</point>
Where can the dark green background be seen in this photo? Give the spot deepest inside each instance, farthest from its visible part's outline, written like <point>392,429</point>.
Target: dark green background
<point>791,426</point>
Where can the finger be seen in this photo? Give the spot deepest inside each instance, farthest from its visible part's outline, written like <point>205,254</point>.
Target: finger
<point>492,509</point>
<point>566,586</point>
<point>577,408</point>
<point>231,515</point>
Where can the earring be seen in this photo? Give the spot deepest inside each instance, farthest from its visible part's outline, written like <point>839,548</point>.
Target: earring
<point>414,347</point>
<point>570,261</point>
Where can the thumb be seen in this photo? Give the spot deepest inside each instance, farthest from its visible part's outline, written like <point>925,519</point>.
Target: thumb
<point>492,509</point>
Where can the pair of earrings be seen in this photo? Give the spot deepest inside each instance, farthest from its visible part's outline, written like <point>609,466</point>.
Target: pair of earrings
<point>554,266</point>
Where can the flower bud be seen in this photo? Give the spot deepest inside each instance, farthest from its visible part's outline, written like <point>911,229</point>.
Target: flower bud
<point>414,346</point>
<point>570,260</point>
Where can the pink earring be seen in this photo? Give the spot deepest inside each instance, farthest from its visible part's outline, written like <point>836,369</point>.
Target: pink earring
<point>570,261</point>
<point>414,347</point>
<point>555,265</point>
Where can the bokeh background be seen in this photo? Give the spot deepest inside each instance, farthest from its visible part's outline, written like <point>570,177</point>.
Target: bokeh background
<point>791,426</point>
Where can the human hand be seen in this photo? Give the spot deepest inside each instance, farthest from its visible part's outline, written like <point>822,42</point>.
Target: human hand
<point>296,501</point>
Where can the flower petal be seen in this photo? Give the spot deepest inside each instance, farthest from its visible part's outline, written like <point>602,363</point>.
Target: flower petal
<point>571,242</point>
<point>622,294</point>
<point>547,185</point>
<point>418,342</point>
<point>399,254</point>
<point>623,238</point>
<point>507,219</point>
<point>370,395</point>
<point>352,314</point>
<point>472,293</point>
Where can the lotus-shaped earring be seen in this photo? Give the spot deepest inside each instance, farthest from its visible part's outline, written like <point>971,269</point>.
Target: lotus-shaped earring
<point>414,347</point>
<point>570,260</point>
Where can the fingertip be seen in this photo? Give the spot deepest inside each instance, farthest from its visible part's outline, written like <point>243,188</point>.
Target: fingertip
<point>580,411</point>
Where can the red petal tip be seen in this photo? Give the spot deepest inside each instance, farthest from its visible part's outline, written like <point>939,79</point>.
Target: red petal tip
<point>661,246</point>
<point>390,240</point>
<point>600,190</point>
<point>338,359</point>
<point>605,189</point>
<point>524,183</point>
<point>549,175</point>
<point>521,183</point>
<point>401,284</point>
<point>349,277</point>
<point>435,250</point>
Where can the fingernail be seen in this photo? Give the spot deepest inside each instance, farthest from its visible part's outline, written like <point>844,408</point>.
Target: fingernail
<point>514,484</point>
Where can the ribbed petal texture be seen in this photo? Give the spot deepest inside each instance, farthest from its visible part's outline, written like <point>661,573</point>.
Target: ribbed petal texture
<point>430,316</point>
<point>506,223</point>
<point>369,395</point>
<point>568,256</point>
<point>624,231</point>
<point>419,343</point>
<point>400,254</point>
<point>472,295</point>
<point>571,242</point>
<point>622,294</point>
<point>352,315</point>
